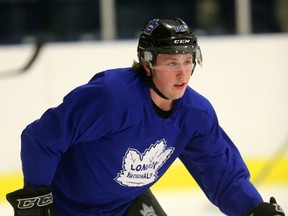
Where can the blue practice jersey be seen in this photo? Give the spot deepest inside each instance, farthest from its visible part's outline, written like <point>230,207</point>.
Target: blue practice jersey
<point>104,145</point>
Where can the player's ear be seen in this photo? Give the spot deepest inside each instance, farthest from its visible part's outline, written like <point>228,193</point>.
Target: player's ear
<point>147,69</point>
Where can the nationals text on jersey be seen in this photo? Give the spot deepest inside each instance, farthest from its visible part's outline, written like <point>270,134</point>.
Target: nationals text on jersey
<point>140,169</point>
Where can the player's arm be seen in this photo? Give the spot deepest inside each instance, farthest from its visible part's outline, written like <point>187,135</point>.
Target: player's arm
<point>42,144</point>
<point>80,117</point>
<point>44,141</point>
<point>217,166</point>
<point>28,202</point>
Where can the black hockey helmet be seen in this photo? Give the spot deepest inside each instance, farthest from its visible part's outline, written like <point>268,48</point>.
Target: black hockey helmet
<point>167,36</point>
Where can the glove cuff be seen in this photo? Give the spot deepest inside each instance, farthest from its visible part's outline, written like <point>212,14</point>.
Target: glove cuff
<point>32,202</point>
<point>267,209</point>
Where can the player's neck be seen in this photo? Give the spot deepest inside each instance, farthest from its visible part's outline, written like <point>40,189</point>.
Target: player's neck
<point>160,102</point>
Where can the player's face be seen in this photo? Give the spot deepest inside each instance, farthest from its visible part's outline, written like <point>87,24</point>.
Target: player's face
<point>171,74</point>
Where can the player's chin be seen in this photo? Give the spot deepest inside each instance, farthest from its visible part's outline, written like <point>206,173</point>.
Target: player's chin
<point>178,95</point>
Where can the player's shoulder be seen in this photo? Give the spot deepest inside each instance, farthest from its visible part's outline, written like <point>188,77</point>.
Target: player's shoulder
<point>195,104</point>
<point>195,100</point>
<point>121,76</point>
<point>114,87</point>
<point>110,81</point>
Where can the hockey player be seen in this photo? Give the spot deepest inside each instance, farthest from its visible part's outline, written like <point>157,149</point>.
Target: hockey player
<point>110,140</point>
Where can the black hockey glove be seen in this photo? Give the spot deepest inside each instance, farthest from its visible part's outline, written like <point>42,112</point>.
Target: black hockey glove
<point>28,202</point>
<point>267,209</point>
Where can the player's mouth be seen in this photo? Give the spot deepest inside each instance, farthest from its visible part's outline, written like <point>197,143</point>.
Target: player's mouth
<point>180,86</point>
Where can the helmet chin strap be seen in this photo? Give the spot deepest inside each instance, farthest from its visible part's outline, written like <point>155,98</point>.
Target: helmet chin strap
<point>149,80</point>
<point>152,85</point>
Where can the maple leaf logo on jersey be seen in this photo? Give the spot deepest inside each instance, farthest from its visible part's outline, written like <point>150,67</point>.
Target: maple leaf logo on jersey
<point>140,169</point>
<point>147,211</point>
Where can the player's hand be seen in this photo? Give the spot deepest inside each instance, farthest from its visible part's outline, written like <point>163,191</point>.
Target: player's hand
<point>267,209</point>
<point>32,202</point>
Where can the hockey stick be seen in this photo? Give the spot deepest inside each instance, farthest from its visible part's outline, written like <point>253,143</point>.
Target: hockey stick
<point>268,167</point>
<point>38,45</point>
<point>46,10</point>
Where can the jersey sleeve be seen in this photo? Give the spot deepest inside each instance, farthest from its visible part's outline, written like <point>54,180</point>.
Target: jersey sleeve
<point>217,166</point>
<point>77,119</point>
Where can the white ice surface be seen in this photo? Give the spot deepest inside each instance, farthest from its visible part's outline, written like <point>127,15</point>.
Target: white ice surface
<point>191,203</point>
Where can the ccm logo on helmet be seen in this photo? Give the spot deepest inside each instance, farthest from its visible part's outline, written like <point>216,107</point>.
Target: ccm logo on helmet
<point>182,41</point>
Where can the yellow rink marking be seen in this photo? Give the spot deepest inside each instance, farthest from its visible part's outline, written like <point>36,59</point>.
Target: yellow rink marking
<point>178,177</point>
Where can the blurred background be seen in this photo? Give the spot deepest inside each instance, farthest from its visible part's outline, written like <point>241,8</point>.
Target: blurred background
<point>23,21</point>
<point>48,47</point>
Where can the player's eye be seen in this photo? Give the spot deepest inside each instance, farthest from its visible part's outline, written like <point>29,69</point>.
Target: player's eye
<point>188,62</point>
<point>172,64</point>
